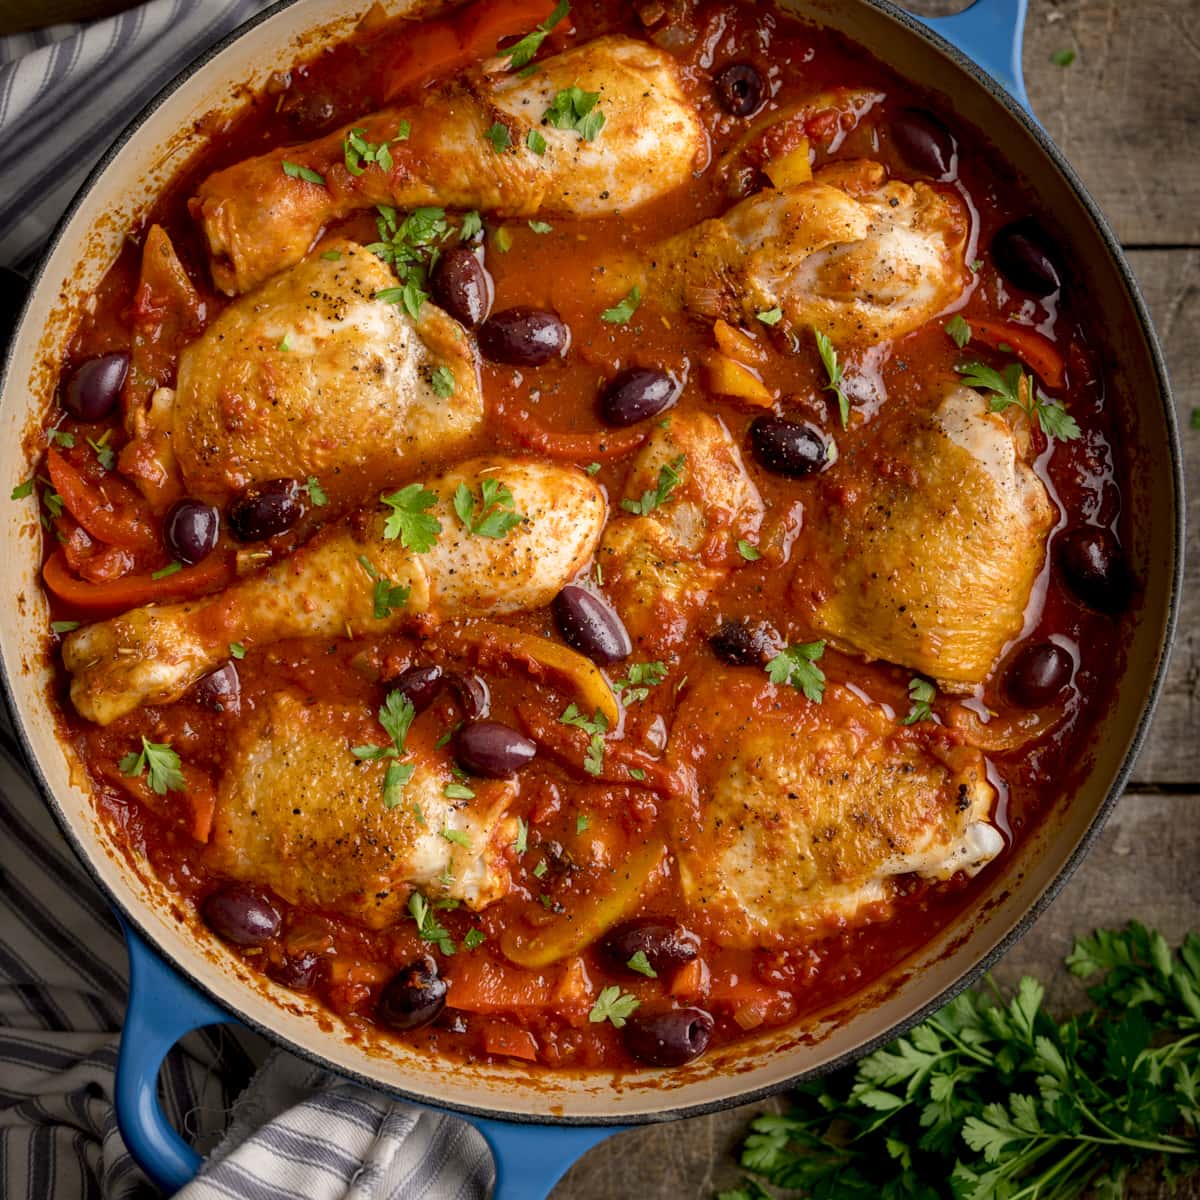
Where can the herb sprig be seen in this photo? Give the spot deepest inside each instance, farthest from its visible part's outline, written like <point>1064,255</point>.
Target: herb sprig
<point>162,763</point>
<point>521,54</point>
<point>797,665</point>
<point>669,478</point>
<point>1013,386</point>
<point>492,514</point>
<point>834,372</point>
<point>992,1098</point>
<point>396,716</point>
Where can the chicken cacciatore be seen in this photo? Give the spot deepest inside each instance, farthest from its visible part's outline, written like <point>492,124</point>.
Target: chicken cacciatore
<point>581,533</point>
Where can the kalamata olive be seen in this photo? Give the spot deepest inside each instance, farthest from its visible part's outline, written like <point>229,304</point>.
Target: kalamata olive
<point>666,945</point>
<point>220,690</point>
<point>92,392</point>
<point>298,971</point>
<point>462,286</point>
<point>591,625</point>
<point>788,447</point>
<point>741,644</point>
<point>1094,568</point>
<point>473,694</point>
<point>493,749</point>
<point>265,509</point>
<point>240,914</point>
<point>1038,674</point>
<point>420,684</point>
<point>924,142</point>
<point>190,530</point>
<point>1023,254</point>
<point>740,89</point>
<point>524,337</point>
<point>413,997</point>
<point>670,1038</point>
<point>635,394</point>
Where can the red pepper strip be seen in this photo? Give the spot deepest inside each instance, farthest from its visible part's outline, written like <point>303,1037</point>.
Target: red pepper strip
<point>438,47</point>
<point>1038,353</point>
<point>111,511</point>
<point>601,446</point>
<point>104,599</point>
<point>199,795</point>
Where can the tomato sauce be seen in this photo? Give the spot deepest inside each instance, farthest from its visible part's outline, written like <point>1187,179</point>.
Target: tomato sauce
<point>496,1008</point>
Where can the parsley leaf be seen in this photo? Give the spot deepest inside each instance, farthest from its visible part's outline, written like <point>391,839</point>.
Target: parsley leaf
<point>499,137</point>
<point>428,929</point>
<point>669,478</point>
<point>64,438</point>
<point>22,490</point>
<point>620,313</point>
<point>748,550</point>
<point>285,343</point>
<point>396,716</point>
<point>470,226</point>
<point>573,108</point>
<point>411,247</point>
<point>922,694</point>
<point>1014,386</point>
<point>521,844</point>
<point>163,763</point>
<point>63,626</point>
<point>641,964</point>
<point>1063,58</point>
<point>358,153</point>
<point>316,493</point>
<point>409,519</point>
<point>596,727</point>
<point>541,226</point>
<point>958,331</point>
<point>237,650</point>
<point>458,791</point>
<point>442,381</point>
<point>536,143</point>
<point>492,515</point>
<point>106,455</point>
<point>388,597</point>
<point>522,53</point>
<point>613,1005</point>
<point>1195,418</point>
<point>458,836</point>
<point>772,316</point>
<point>581,823</point>
<point>296,171</point>
<point>639,679</point>
<point>474,938</point>
<point>169,569</point>
<point>797,665</point>
<point>833,369</point>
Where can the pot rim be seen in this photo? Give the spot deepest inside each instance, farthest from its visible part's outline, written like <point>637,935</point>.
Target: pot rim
<point>934,42</point>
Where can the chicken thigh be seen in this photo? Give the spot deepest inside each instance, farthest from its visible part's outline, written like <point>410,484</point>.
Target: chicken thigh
<point>294,796</point>
<point>661,566</point>
<point>259,220</point>
<point>933,566</point>
<point>803,814</point>
<point>858,257</point>
<point>355,577</point>
<point>312,376</point>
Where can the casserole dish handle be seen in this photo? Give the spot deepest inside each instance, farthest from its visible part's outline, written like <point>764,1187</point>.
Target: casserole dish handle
<point>990,33</point>
<point>163,1007</point>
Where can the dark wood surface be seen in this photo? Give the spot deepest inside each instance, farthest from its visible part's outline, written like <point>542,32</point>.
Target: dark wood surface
<point>1127,114</point>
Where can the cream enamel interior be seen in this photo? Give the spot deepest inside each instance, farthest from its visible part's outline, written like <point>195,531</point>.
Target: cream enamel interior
<point>87,245</point>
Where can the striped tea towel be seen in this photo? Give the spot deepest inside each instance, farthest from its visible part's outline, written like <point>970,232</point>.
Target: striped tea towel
<point>296,1132</point>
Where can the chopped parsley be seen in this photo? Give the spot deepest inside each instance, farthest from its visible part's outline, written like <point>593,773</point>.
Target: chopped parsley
<point>474,938</point>
<point>64,626</point>
<point>541,226</point>
<point>237,650</point>
<point>581,823</point>
<point>358,153</point>
<point>535,141</point>
<point>332,255</point>
<point>797,665</point>
<point>958,331</point>
<point>637,773</point>
<point>594,468</point>
<point>748,550</point>
<point>639,679</point>
<point>641,964</point>
<point>409,519</point>
<point>573,108</point>
<point>285,343</point>
<point>387,596</point>
<point>441,379</point>
<point>169,569</point>
<point>428,928</point>
<point>613,1005</point>
<point>470,226</point>
<point>296,171</point>
<point>772,316</point>
<point>1063,58</point>
<point>521,54</point>
<point>316,493</point>
<point>540,869</point>
<point>22,490</point>
<point>620,313</point>
<point>1196,418</point>
<point>163,763</point>
<point>833,370</point>
<point>411,247</point>
<point>60,437</point>
<point>593,762</point>
<point>503,240</point>
<point>457,836</point>
<point>921,692</point>
<point>521,844</point>
<point>396,716</point>
<point>499,137</point>
<point>492,515</point>
<point>1013,386</point>
<point>669,478</point>
<point>105,454</point>
<point>458,791</point>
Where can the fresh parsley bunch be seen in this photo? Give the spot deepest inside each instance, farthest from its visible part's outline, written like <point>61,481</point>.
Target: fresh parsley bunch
<point>992,1099</point>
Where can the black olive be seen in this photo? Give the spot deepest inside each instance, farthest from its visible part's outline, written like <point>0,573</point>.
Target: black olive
<point>190,531</point>
<point>787,447</point>
<point>220,690</point>
<point>462,286</point>
<point>924,141</point>
<point>523,337</point>
<point>741,644</point>
<point>413,997</point>
<point>240,914</point>
<point>740,89</point>
<point>92,392</point>
<point>636,394</point>
<point>1038,674</point>
<point>1023,254</point>
<point>266,509</point>
<point>420,684</point>
<point>1094,568</point>
<point>666,945</point>
<point>492,749</point>
<point>670,1038</point>
<point>591,625</point>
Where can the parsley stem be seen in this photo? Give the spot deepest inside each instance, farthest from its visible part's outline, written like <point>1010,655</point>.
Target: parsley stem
<point>1036,1188</point>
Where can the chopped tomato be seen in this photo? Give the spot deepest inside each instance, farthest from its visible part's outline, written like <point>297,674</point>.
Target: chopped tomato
<point>103,599</point>
<point>111,511</point>
<point>1038,353</point>
<point>499,1037</point>
<point>483,986</point>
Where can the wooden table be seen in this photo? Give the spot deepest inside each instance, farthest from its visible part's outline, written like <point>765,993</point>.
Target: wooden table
<point>1127,115</point>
